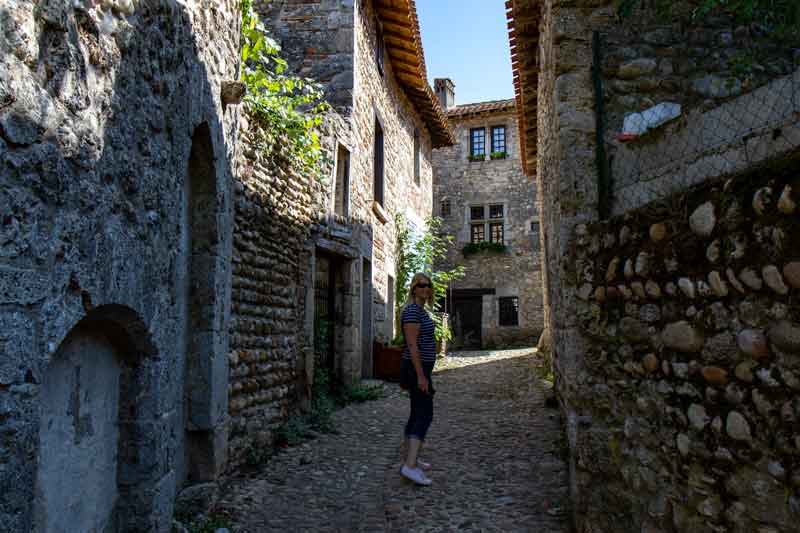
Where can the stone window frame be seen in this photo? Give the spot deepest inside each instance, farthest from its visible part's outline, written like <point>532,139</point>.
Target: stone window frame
<point>498,128</point>
<point>487,221</point>
<point>508,311</point>
<point>346,185</point>
<point>472,143</point>
<point>535,229</point>
<point>379,163</point>
<point>445,208</point>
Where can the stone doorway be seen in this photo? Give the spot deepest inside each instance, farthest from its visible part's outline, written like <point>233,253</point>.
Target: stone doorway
<point>90,475</point>
<point>467,313</point>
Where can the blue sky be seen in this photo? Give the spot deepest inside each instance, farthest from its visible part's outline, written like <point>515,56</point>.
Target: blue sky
<point>467,41</point>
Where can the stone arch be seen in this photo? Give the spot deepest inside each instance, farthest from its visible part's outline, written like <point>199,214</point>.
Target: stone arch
<point>205,385</point>
<point>89,473</point>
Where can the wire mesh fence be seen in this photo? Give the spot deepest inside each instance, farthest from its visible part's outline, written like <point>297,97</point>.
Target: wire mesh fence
<point>676,109</point>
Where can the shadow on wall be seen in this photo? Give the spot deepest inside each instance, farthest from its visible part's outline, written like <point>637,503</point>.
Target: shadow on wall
<point>107,245</point>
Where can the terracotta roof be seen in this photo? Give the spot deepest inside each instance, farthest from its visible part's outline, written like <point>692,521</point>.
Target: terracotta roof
<point>481,107</point>
<point>404,48</point>
<point>523,37</point>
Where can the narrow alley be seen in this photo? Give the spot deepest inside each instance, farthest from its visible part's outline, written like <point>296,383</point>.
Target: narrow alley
<point>494,446</point>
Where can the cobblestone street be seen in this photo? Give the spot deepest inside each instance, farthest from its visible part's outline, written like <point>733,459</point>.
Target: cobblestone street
<point>494,446</point>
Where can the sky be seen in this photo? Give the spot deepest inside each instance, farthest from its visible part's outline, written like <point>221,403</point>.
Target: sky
<point>467,41</point>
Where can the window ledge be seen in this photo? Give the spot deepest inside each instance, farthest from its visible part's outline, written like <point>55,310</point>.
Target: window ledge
<point>379,212</point>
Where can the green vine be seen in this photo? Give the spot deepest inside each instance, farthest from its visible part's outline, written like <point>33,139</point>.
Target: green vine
<point>290,109</point>
<point>421,255</point>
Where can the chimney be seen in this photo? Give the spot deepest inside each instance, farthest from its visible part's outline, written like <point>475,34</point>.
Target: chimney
<point>445,92</point>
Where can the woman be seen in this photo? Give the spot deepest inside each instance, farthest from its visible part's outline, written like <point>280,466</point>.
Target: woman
<point>419,356</point>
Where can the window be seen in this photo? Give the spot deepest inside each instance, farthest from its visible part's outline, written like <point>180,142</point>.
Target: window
<point>476,212</point>
<point>477,233</point>
<point>416,157</point>
<point>444,208</point>
<point>378,179</point>
<point>498,139</point>
<point>390,308</point>
<point>477,141</point>
<point>342,192</point>
<point>496,232</point>
<point>496,211</point>
<point>509,311</point>
<point>535,233</point>
<point>379,47</point>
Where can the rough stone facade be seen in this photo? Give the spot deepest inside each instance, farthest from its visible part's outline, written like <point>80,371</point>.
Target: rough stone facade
<point>114,284</point>
<point>354,234</point>
<point>460,184</point>
<point>666,449</point>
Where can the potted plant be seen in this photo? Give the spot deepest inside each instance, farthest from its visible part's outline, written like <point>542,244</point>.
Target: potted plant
<point>387,358</point>
<point>497,155</point>
<point>477,157</point>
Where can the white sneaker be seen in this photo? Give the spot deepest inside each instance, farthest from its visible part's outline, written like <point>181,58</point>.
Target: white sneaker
<point>415,475</point>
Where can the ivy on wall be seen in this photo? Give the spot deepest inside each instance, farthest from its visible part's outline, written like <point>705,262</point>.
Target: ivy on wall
<point>290,109</point>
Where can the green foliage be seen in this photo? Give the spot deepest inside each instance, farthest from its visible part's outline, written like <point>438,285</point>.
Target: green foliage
<point>210,524</point>
<point>779,18</point>
<point>477,157</point>
<point>498,155</point>
<point>289,109</point>
<point>421,255</point>
<point>483,246</point>
<point>359,394</point>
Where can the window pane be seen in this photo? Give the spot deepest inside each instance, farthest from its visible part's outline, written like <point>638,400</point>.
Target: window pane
<point>476,212</point>
<point>535,233</point>
<point>495,211</point>
<point>378,178</point>
<point>342,191</point>
<point>445,208</point>
<point>478,141</point>
<point>496,232</point>
<point>499,139</point>
<point>416,157</point>
<point>509,311</point>
<point>478,233</point>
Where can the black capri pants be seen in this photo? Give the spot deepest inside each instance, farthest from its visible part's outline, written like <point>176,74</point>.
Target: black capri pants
<point>421,415</point>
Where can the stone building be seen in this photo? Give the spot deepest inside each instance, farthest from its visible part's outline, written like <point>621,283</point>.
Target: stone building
<point>116,154</point>
<point>670,262</point>
<point>368,56</point>
<point>482,196</point>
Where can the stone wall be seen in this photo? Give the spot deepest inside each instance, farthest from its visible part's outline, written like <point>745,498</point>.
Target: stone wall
<point>643,456</point>
<point>689,396</point>
<point>317,38</point>
<point>698,62</point>
<point>113,225</point>
<point>281,220</point>
<point>378,96</point>
<point>462,183</point>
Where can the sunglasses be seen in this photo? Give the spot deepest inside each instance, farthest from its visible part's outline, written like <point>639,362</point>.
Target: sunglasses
<point>423,285</point>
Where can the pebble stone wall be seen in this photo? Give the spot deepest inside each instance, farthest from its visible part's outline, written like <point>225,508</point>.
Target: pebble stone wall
<point>690,313</point>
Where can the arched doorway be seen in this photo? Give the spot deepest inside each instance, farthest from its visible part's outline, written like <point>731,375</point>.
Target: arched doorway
<point>87,428</point>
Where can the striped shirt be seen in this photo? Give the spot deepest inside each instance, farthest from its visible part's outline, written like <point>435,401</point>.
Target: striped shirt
<point>414,314</point>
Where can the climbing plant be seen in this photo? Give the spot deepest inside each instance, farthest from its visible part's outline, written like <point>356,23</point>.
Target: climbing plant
<point>290,109</point>
<point>421,253</point>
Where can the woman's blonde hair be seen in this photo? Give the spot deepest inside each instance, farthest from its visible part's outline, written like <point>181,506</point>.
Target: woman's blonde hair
<point>418,277</point>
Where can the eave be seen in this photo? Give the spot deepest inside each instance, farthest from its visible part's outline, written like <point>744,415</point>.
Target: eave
<point>403,44</point>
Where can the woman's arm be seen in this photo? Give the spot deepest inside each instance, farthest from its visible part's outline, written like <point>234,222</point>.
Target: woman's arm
<point>411,332</point>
